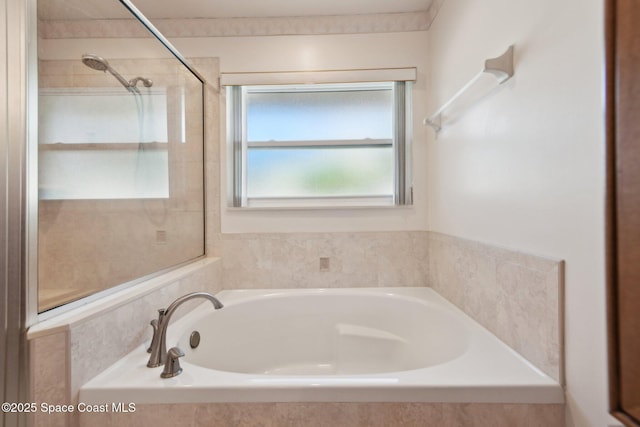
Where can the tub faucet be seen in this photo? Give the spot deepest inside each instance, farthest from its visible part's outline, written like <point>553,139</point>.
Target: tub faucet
<point>159,343</point>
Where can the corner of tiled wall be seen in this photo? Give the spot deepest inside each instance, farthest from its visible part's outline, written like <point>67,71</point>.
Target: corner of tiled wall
<point>517,296</point>
<point>64,360</point>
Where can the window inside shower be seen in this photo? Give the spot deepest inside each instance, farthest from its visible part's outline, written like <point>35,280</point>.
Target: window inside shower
<point>83,156</point>
<point>120,153</point>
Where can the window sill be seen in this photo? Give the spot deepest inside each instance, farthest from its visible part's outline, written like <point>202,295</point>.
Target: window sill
<point>316,208</point>
<point>317,203</point>
<point>320,219</point>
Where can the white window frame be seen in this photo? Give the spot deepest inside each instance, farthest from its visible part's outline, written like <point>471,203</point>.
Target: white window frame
<point>238,145</point>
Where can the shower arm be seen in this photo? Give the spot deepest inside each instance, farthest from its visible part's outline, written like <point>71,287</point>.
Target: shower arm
<point>117,75</point>
<point>145,82</point>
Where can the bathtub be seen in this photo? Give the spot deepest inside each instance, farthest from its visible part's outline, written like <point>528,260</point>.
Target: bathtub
<point>329,345</point>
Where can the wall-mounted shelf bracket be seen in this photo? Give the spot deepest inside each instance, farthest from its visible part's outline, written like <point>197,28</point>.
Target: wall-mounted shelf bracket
<point>501,67</point>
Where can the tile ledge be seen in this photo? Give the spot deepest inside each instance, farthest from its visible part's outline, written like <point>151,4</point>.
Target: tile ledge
<point>65,321</point>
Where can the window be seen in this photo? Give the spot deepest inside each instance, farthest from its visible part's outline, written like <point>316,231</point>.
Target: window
<point>106,143</point>
<point>319,144</point>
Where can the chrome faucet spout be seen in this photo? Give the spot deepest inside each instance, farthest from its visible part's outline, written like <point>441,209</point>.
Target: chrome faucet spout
<point>159,346</point>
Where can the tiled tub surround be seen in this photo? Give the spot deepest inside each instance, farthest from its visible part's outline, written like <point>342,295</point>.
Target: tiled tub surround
<point>292,260</point>
<point>372,405</point>
<point>517,296</point>
<point>451,265</point>
<point>68,350</point>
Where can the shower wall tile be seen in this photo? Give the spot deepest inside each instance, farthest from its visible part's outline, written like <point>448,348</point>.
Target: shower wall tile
<point>292,260</point>
<point>516,296</point>
<point>335,414</point>
<point>98,235</point>
<point>108,245</point>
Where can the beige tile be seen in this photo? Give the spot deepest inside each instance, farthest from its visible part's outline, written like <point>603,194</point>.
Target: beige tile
<point>236,414</point>
<point>49,373</point>
<point>144,415</point>
<point>99,342</point>
<point>514,295</point>
<point>316,414</point>
<point>323,414</point>
<point>400,414</point>
<point>484,415</point>
<point>290,260</point>
<point>546,416</point>
<point>527,314</point>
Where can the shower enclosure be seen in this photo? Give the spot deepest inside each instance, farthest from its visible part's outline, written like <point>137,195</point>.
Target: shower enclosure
<point>119,152</point>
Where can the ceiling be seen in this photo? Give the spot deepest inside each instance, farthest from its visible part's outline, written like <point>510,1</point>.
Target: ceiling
<point>158,9</point>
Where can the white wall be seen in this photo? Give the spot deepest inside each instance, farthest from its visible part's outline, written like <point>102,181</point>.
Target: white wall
<point>325,52</point>
<point>524,167</point>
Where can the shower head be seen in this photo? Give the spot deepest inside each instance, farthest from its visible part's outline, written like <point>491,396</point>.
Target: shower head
<point>98,63</point>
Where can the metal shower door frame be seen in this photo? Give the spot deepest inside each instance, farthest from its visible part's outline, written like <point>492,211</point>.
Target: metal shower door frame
<point>16,34</point>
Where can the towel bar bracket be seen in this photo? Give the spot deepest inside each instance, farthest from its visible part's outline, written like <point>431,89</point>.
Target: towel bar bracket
<point>501,67</point>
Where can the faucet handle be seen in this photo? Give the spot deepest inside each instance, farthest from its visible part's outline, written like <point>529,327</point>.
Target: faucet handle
<point>172,365</point>
<point>155,324</point>
<point>159,345</point>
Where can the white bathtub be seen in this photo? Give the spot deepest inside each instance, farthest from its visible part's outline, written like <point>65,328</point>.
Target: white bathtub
<point>323,345</point>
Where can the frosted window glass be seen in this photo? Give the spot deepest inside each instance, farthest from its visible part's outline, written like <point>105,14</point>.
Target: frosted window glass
<point>97,118</point>
<point>311,116</point>
<point>77,116</point>
<point>103,174</point>
<point>320,172</point>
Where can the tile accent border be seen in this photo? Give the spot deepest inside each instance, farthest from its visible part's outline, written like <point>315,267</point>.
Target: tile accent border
<point>237,27</point>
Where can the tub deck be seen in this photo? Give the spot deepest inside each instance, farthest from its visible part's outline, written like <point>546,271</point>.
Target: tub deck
<point>488,371</point>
